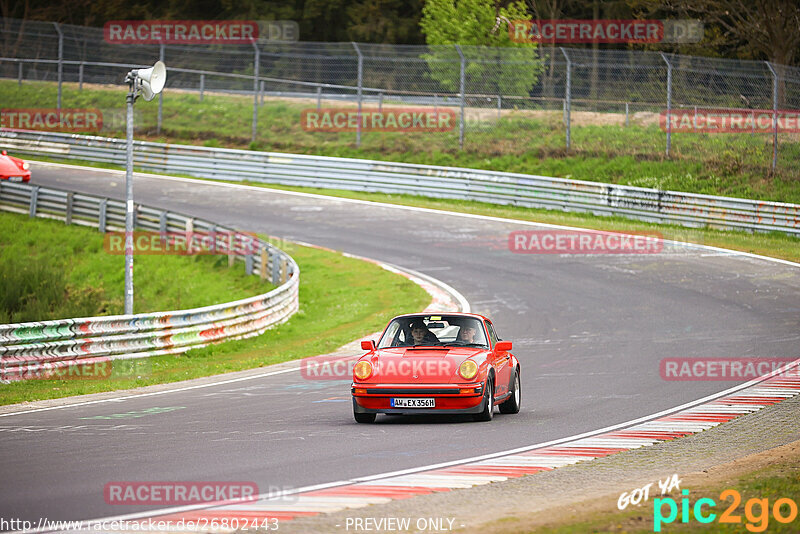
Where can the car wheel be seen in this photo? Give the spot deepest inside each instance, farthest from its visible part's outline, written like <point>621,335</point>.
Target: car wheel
<point>488,411</point>
<point>364,417</point>
<point>513,402</point>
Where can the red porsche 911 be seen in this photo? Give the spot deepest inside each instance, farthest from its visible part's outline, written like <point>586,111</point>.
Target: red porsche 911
<point>13,169</point>
<point>449,363</point>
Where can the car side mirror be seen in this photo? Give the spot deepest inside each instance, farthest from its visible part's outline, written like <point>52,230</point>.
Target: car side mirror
<point>368,345</point>
<point>502,346</point>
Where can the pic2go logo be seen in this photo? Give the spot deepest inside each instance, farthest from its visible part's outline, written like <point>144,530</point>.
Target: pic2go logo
<point>756,511</point>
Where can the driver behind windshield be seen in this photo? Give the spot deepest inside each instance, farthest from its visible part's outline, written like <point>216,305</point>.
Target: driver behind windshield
<point>467,334</point>
<point>420,335</point>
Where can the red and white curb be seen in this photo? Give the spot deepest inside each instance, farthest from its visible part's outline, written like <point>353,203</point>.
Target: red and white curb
<point>383,489</point>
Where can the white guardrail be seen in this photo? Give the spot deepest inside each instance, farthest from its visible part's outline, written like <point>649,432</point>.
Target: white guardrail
<point>651,205</point>
<point>53,348</point>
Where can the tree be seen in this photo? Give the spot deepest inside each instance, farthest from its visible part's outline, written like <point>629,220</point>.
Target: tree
<point>494,63</point>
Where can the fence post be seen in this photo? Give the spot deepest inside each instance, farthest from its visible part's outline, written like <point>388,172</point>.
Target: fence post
<point>256,61</point>
<point>101,216</point>
<point>262,272</point>
<point>261,92</point>
<point>276,268</point>
<point>568,95</point>
<point>202,85</point>
<point>360,82</point>
<point>34,200</point>
<point>499,105</point>
<point>669,101</point>
<point>60,61</point>
<point>774,115</point>
<point>161,94</point>
<point>461,91</point>
<point>68,209</point>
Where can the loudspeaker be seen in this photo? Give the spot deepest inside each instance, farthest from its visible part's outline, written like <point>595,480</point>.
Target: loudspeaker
<point>152,80</point>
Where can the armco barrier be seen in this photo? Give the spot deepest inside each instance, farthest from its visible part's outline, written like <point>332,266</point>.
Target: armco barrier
<point>30,349</point>
<point>443,182</point>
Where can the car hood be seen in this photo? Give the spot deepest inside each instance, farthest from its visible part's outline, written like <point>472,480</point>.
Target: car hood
<point>421,366</point>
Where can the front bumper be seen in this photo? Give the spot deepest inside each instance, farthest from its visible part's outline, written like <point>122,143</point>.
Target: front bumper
<point>450,398</point>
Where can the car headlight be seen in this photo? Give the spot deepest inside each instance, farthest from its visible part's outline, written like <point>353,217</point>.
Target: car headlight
<point>25,166</point>
<point>362,370</point>
<point>468,369</point>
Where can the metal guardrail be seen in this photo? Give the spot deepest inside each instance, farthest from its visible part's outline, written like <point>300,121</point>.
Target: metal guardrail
<point>33,349</point>
<point>525,190</point>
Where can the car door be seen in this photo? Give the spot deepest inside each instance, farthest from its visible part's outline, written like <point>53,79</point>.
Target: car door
<point>502,361</point>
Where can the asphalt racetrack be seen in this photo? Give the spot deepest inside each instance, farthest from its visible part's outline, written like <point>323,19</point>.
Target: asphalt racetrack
<point>589,331</point>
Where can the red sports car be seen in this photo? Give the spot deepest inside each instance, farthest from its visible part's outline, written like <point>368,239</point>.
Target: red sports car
<point>13,169</point>
<point>449,363</point>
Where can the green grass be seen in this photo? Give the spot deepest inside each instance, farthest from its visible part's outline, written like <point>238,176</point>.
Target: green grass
<point>341,299</point>
<point>722,164</point>
<point>52,271</point>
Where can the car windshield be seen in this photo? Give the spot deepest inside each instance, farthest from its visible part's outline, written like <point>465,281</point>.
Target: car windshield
<point>434,331</point>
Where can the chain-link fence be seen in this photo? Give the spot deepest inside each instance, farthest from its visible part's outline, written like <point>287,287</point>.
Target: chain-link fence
<point>495,93</point>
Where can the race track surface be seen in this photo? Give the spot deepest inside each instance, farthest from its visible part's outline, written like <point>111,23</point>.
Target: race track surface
<point>589,330</point>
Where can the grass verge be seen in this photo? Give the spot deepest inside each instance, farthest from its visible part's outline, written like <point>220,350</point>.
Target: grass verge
<point>341,299</point>
<point>52,271</point>
<point>525,141</point>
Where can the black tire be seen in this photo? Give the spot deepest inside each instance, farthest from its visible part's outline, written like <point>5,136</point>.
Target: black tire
<point>364,417</point>
<point>512,404</point>
<point>488,396</point>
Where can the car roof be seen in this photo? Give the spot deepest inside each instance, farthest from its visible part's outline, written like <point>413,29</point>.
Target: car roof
<point>460,314</point>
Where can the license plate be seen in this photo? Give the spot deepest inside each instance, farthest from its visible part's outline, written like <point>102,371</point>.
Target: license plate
<point>413,403</point>
<point>15,178</point>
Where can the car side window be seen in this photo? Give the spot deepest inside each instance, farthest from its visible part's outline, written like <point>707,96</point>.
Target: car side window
<point>492,335</point>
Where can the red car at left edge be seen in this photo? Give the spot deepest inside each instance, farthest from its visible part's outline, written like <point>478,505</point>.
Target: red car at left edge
<point>13,169</point>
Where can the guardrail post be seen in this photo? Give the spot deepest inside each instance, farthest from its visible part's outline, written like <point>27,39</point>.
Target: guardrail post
<point>60,61</point>
<point>248,264</point>
<point>68,209</point>
<point>202,85</point>
<point>499,105</point>
<point>461,83</point>
<point>80,77</point>
<point>774,115</point>
<point>34,200</point>
<point>360,81</point>
<point>380,102</point>
<point>261,93</point>
<point>231,255</point>
<point>161,94</point>
<point>162,222</point>
<point>135,215</point>
<point>284,270</point>
<point>319,97</point>
<point>669,101</point>
<point>626,115</point>
<point>101,216</point>
<point>568,96</point>
<point>262,272</point>
<point>256,62</point>
<point>276,268</point>
<point>19,74</point>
